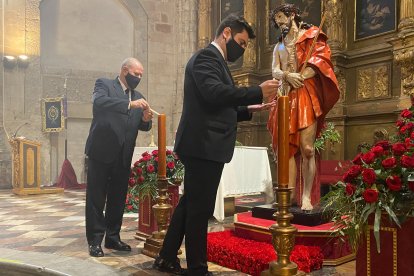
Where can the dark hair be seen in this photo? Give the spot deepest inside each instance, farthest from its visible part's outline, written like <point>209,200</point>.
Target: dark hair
<point>237,24</point>
<point>288,9</point>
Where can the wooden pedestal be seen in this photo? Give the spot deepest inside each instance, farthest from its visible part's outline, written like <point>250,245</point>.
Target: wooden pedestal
<point>26,168</point>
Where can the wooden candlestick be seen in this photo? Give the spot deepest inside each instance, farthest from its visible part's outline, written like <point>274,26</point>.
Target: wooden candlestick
<point>162,147</point>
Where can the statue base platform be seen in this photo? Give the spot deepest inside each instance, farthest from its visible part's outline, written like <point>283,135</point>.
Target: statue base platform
<point>36,191</point>
<point>301,217</point>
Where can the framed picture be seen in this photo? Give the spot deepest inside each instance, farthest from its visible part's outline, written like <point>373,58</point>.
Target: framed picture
<point>53,119</point>
<point>374,18</point>
<point>311,11</point>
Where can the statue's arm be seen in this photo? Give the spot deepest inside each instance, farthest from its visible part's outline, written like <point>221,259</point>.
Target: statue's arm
<point>277,73</point>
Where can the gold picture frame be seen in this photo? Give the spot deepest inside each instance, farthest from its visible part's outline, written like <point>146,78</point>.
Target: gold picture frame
<point>374,18</point>
<point>53,119</point>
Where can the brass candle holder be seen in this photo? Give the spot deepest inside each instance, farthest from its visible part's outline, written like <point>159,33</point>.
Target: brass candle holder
<point>162,210</point>
<point>283,233</point>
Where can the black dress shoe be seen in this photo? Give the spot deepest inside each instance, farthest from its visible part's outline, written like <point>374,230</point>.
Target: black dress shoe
<point>174,268</point>
<point>95,251</point>
<point>118,245</point>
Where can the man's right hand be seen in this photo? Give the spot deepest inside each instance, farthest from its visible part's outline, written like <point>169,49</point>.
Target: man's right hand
<point>269,88</point>
<point>141,103</point>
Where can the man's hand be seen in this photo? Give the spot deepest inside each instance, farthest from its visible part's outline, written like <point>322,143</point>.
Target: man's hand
<point>141,103</point>
<point>261,107</point>
<point>269,88</point>
<point>147,115</point>
<point>295,79</point>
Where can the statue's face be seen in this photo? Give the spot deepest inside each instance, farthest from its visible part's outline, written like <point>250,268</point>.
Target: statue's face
<point>284,22</point>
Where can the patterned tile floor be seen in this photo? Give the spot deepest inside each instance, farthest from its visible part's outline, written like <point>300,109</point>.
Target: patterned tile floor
<point>49,230</point>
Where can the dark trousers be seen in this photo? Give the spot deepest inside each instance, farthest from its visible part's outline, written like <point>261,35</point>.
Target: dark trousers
<point>107,186</point>
<point>190,218</point>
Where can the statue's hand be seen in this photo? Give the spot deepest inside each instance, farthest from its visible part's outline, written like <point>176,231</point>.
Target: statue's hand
<point>295,79</point>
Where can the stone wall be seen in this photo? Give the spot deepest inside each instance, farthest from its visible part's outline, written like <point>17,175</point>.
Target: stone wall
<point>72,43</point>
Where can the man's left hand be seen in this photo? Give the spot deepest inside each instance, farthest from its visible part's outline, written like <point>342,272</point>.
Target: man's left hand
<point>261,107</point>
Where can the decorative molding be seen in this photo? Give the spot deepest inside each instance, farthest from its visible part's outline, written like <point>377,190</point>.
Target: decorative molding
<point>334,24</point>
<point>373,82</point>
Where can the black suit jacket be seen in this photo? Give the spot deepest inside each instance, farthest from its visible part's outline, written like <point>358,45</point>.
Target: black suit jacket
<point>114,127</point>
<point>212,107</point>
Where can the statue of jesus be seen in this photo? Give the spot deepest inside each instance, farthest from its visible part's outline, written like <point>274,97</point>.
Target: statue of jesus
<point>312,91</point>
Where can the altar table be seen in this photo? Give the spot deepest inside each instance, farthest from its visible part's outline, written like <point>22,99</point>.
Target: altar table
<point>247,173</point>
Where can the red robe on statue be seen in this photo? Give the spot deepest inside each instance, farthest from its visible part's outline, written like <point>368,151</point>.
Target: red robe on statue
<point>312,101</point>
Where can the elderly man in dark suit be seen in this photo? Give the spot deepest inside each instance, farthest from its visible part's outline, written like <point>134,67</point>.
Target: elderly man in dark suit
<point>119,111</point>
<point>205,140</point>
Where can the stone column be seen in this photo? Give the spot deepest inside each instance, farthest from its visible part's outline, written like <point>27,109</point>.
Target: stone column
<point>204,23</point>
<point>250,14</point>
<point>334,24</point>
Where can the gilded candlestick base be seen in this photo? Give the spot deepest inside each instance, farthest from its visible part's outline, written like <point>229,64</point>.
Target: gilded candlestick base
<point>283,237</point>
<point>162,210</point>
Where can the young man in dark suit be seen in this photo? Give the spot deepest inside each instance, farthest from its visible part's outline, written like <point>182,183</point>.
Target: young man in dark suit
<point>205,140</point>
<point>119,111</point>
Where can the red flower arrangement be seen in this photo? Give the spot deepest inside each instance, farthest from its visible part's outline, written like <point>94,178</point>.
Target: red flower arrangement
<point>252,257</point>
<point>143,177</point>
<point>381,181</point>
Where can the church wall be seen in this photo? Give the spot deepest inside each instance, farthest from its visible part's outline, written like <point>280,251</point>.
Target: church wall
<point>70,45</point>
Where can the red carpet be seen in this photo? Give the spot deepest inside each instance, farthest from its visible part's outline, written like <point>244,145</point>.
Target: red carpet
<point>252,257</point>
<point>334,250</point>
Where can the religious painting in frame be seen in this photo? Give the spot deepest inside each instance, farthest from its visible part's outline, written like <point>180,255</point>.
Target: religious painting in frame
<point>374,18</point>
<point>311,11</point>
<point>53,115</point>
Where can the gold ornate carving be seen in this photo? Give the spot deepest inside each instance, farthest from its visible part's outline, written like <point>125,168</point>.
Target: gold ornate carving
<point>204,23</point>
<point>406,16</point>
<point>373,82</point>
<point>16,162</point>
<point>380,135</point>
<point>340,76</point>
<point>405,58</point>
<point>364,83</point>
<point>381,81</point>
<point>334,24</point>
<point>250,14</point>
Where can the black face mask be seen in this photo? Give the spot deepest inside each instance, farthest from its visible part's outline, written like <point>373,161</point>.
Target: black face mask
<point>234,50</point>
<point>132,81</point>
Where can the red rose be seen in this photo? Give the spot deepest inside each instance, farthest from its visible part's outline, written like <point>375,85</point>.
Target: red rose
<point>384,144</point>
<point>403,129</point>
<point>156,159</point>
<point>368,157</point>
<point>352,173</point>
<point>411,185</point>
<point>140,179</point>
<point>357,159</point>
<point>394,182</point>
<point>370,195</point>
<point>389,163</point>
<point>399,123</point>
<point>130,207</point>
<point>155,152</point>
<point>412,135</point>
<point>131,182</point>
<point>378,150</point>
<point>150,168</point>
<point>170,165</point>
<point>368,176</point>
<point>410,125</point>
<point>145,154</point>
<point>407,161</point>
<point>139,171</point>
<point>406,114</point>
<point>399,149</point>
<point>136,164</point>
<point>169,151</point>
<point>350,189</point>
<point>146,157</point>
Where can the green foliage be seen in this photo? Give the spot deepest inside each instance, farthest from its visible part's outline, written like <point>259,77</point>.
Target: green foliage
<point>328,135</point>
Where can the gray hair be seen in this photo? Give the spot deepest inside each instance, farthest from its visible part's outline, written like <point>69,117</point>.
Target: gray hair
<point>128,62</point>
